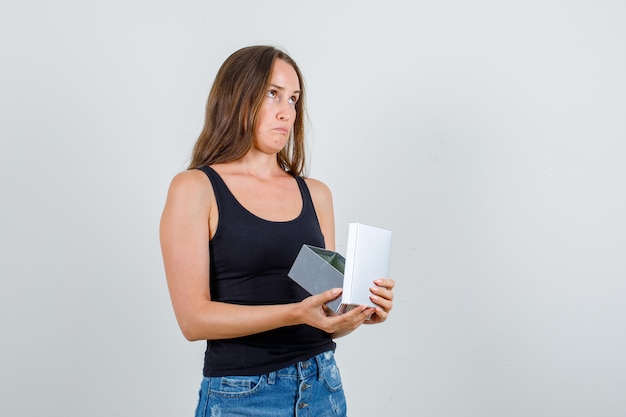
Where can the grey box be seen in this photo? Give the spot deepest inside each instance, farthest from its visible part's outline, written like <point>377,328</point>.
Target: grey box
<point>317,270</point>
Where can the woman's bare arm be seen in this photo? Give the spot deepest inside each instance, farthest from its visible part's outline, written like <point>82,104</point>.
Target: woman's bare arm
<point>323,203</point>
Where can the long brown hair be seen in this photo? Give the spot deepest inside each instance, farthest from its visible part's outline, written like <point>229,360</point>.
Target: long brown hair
<point>233,105</point>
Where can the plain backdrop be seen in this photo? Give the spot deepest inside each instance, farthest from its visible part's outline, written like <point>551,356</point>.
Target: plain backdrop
<point>490,136</point>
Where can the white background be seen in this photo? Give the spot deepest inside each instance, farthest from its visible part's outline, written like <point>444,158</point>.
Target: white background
<point>488,135</point>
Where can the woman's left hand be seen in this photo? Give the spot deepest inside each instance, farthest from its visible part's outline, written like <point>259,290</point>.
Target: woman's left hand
<point>382,296</point>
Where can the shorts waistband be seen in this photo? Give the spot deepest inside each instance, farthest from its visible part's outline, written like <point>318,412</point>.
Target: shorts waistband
<point>304,369</point>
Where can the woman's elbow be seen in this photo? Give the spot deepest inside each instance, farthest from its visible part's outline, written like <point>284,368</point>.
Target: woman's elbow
<point>191,331</point>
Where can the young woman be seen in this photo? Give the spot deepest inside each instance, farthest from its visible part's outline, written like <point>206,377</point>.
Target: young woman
<point>232,225</point>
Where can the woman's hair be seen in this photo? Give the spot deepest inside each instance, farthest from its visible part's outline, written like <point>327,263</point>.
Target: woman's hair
<point>232,107</point>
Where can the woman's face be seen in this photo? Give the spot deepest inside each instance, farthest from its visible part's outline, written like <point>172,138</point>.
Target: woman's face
<point>278,110</point>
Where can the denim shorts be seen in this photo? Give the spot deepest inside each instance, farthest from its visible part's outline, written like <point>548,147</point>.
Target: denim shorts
<point>309,388</point>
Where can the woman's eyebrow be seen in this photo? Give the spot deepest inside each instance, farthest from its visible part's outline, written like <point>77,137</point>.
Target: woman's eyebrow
<point>281,88</point>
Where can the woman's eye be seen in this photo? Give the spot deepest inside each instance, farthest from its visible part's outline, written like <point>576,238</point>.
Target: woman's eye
<point>293,99</point>
<point>271,94</point>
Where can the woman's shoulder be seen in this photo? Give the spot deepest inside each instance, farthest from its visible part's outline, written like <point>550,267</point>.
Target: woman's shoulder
<point>190,182</point>
<point>315,184</point>
<point>319,190</point>
<point>190,177</point>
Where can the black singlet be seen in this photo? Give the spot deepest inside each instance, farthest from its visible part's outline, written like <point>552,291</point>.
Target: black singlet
<point>250,258</point>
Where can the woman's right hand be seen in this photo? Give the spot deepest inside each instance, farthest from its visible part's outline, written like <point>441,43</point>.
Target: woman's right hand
<point>313,311</point>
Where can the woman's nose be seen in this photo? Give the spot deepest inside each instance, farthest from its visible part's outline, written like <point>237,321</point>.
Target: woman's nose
<point>284,114</point>
<point>285,111</point>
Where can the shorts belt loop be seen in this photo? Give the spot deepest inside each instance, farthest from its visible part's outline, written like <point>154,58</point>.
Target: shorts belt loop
<point>320,366</point>
<point>271,378</point>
